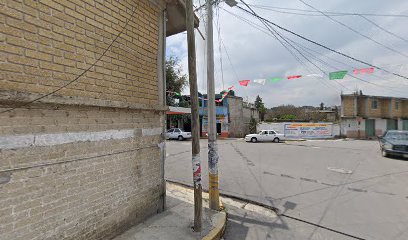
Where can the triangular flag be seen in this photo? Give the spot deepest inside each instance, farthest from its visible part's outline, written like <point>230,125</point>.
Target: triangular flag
<point>230,88</point>
<point>314,75</point>
<point>363,70</point>
<point>244,82</point>
<point>293,77</point>
<point>337,75</point>
<point>275,79</point>
<point>260,81</point>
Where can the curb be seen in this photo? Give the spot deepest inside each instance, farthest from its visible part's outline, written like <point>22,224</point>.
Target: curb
<point>218,231</point>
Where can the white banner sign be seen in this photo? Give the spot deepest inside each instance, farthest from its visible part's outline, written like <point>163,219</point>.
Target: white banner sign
<point>308,130</point>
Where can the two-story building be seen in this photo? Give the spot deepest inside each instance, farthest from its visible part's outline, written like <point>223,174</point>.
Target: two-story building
<point>221,112</point>
<point>233,116</point>
<point>82,115</point>
<point>364,116</point>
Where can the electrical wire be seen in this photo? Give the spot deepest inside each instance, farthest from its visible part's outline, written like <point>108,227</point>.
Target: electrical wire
<point>357,78</point>
<point>218,26</point>
<point>265,7</point>
<point>325,47</point>
<point>80,75</point>
<point>268,33</point>
<point>383,29</point>
<point>274,33</point>
<point>354,30</point>
<point>76,160</point>
<point>362,15</point>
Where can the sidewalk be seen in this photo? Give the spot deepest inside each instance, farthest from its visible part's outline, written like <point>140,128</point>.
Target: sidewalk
<point>177,220</point>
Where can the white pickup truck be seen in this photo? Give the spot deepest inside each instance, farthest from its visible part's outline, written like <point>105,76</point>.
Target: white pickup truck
<point>265,136</point>
<point>177,133</point>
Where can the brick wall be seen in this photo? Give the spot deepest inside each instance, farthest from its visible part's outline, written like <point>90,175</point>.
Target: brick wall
<point>347,105</point>
<point>374,112</point>
<point>404,109</point>
<point>65,191</point>
<point>45,44</point>
<point>83,163</point>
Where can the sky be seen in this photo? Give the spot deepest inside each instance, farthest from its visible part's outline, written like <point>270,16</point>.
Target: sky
<point>251,53</point>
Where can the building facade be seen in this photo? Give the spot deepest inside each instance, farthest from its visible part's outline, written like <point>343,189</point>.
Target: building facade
<point>239,116</point>
<point>221,112</point>
<point>82,115</point>
<point>364,116</point>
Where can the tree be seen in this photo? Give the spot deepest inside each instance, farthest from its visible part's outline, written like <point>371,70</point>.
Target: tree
<point>252,125</point>
<point>262,111</point>
<point>258,102</point>
<point>260,106</point>
<point>288,117</point>
<point>321,106</point>
<point>176,81</point>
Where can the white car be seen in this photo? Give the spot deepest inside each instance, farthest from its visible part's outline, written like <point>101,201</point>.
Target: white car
<point>265,136</point>
<point>177,133</point>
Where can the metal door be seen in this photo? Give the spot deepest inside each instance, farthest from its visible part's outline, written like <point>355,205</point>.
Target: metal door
<point>392,124</point>
<point>405,124</point>
<point>370,127</point>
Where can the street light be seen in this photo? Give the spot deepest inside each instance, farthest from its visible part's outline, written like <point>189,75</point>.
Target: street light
<point>231,3</point>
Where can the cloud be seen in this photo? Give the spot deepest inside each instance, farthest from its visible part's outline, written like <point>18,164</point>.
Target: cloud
<point>254,54</point>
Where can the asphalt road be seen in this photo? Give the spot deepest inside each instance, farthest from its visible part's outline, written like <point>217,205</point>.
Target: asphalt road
<point>344,186</point>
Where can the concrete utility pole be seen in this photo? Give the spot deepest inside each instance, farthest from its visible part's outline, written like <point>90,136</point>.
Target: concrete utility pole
<point>195,124</point>
<point>212,121</point>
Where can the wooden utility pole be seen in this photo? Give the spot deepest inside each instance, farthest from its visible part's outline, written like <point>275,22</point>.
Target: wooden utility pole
<point>214,193</point>
<point>195,123</point>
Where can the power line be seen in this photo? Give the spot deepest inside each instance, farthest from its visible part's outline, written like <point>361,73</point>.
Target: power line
<point>265,7</point>
<point>385,30</point>
<point>354,30</point>
<point>267,33</point>
<point>219,44</point>
<point>270,28</point>
<point>80,75</point>
<point>325,47</point>
<point>362,15</point>
<point>348,74</point>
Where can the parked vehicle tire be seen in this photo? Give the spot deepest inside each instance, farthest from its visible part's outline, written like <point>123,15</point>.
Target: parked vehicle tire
<point>254,140</point>
<point>276,140</point>
<point>180,138</point>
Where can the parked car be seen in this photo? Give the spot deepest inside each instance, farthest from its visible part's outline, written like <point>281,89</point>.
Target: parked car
<point>177,133</point>
<point>394,142</point>
<point>265,136</point>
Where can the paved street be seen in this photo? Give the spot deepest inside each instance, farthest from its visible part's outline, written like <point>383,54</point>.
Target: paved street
<point>341,185</point>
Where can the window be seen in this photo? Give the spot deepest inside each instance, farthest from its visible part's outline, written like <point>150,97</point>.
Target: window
<point>396,105</point>
<point>374,104</point>
<point>177,130</point>
<point>272,132</point>
<point>170,130</point>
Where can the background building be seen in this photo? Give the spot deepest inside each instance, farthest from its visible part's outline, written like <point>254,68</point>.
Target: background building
<point>232,113</point>
<point>84,162</point>
<point>364,116</point>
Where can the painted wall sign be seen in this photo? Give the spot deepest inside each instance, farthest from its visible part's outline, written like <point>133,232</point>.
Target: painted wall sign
<point>308,130</point>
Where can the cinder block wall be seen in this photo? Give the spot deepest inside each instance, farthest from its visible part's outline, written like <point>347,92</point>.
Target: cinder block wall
<point>83,163</point>
<point>236,126</point>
